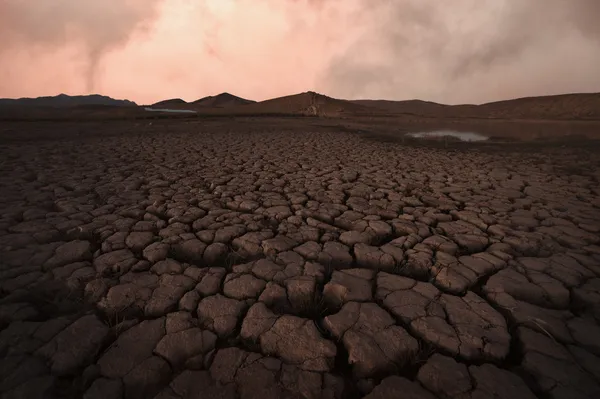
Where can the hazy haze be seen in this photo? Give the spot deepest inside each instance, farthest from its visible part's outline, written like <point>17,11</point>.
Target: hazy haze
<point>459,51</point>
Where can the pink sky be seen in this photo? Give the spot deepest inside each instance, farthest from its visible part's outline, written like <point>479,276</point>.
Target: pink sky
<point>459,51</point>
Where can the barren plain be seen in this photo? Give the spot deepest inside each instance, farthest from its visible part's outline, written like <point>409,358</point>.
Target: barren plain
<point>181,259</point>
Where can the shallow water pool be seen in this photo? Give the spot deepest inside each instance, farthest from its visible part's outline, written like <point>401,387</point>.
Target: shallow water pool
<point>462,136</point>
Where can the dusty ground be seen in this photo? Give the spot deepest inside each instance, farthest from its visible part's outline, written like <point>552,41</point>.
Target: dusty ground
<point>190,260</point>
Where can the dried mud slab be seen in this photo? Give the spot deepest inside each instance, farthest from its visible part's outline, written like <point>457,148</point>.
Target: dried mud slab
<point>449,379</point>
<point>295,340</point>
<point>467,326</point>
<point>374,343</point>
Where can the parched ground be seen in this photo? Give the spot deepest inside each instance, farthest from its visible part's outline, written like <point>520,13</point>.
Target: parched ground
<point>188,261</point>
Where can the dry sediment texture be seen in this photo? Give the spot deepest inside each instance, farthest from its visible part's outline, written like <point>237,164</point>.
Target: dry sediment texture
<point>266,264</point>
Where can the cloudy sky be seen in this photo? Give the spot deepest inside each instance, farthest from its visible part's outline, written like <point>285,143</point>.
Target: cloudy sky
<point>458,51</point>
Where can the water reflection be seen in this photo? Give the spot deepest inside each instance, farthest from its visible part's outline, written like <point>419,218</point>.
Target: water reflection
<point>463,136</point>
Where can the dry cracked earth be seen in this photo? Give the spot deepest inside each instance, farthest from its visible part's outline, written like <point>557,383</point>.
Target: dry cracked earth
<point>238,263</point>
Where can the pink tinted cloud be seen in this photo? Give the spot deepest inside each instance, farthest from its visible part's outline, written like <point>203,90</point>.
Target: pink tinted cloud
<point>148,50</point>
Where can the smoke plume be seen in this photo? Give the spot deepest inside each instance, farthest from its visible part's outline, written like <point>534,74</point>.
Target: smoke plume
<point>92,28</point>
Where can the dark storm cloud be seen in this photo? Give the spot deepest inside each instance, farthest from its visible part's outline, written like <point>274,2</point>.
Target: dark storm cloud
<point>450,42</point>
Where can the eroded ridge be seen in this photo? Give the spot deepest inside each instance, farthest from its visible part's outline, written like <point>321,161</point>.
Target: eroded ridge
<point>199,262</point>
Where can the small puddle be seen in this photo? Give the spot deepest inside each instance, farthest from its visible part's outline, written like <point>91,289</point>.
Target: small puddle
<point>181,111</point>
<point>462,136</point>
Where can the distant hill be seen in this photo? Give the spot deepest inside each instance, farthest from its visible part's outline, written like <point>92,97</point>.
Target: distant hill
<point>63,100</point>
<point>174,102</point>
<point>223,100</point>
<point>564,106</point>
<point>307,104</point>
<point>581,106</point>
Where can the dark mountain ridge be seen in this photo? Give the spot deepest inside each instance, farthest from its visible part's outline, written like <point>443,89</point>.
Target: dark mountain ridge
<point>64,100</point>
